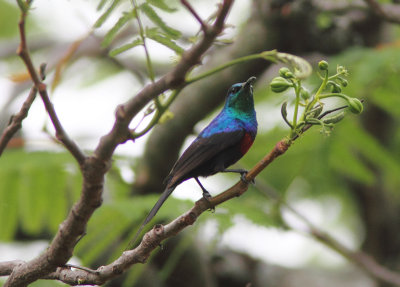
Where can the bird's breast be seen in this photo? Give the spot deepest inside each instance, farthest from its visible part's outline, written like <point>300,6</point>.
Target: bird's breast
<point>246,143</point>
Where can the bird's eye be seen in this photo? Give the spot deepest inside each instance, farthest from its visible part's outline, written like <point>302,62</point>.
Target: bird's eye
<point>235,89</point>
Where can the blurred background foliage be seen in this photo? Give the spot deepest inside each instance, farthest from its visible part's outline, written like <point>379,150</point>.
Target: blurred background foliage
<point>351,177</point>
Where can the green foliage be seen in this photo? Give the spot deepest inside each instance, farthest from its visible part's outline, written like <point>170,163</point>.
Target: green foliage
<point>161,32</point>
<point>374,75</point>
<point>308,109</point>
<point>155,35</point>
<point>157,20</point>
<point>136,42</point>
<point>8,20</point>
<point>253,205</point>
<point>36,191</point>
<point>161,5</point>
<point>113,226</point>
<point>106,13</point>
<point>125,18</point>
<point>351,152</point>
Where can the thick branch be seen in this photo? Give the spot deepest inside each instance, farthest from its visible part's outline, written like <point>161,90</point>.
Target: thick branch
<point>7,267</point>
<point>16,120</point>
<point>154,237</point>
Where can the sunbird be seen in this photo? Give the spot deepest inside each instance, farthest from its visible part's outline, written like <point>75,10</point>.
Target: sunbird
<point>219,145</point>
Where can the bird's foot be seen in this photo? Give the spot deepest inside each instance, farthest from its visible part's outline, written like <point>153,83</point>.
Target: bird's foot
<point>243,174</point>
<point>243,178</point>
<point>207,196</point>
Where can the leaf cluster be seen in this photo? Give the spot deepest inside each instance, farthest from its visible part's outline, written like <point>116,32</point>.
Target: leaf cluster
<point>159,31</point>
<point>37,190</point>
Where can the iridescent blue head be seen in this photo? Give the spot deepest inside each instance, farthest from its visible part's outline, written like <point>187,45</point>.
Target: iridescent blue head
<point>240,97</point>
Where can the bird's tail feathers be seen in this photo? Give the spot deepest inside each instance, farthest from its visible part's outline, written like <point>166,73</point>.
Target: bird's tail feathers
<point>167,192</point>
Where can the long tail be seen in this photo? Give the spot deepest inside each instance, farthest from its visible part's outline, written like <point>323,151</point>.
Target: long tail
<point>167,192</point>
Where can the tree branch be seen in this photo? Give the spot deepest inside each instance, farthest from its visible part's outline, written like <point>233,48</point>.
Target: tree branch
<point>94,168</point>
<point>174,79</point>
<point>16,120</point>
<point>195,15</point>
<point>61,135</point>
<point>152,239</point>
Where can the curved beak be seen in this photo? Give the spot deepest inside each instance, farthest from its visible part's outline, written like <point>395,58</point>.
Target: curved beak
<point>248,84</point>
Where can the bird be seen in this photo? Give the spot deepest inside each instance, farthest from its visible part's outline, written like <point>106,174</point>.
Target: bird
<point>219,145</point>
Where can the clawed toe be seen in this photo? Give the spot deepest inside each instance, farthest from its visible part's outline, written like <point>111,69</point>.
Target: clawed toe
<point>243,178</point>
<point>207,196</point>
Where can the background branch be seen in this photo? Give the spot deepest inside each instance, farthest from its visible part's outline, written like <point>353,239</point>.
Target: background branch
<point>61,135</point>
<point>16,120</point>
<point>359,258</point>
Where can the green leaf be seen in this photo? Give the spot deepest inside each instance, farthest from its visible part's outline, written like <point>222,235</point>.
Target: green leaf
<point>164,41</point>
<point>101,4</point>
<point>36,191</point>
<point>372,150</point>
<point>153,16</point>
<point>109,37</point>
<point>8,20</point>
<point>348,164</point>
<point>30,199</point>
<point>126,47</point>
<point>57,206</point>
<point>161,5</point>
<point>8,204</point>
<point>106,14</point>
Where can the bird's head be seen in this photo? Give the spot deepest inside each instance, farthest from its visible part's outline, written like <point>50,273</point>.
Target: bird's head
<point>240,96</point>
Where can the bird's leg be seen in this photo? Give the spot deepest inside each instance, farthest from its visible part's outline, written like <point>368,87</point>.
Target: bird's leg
<point>243,174</point>
<point>206,194</point>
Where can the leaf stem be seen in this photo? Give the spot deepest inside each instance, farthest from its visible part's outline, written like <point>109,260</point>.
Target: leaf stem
<point>158,114</point>
<point>296,108</point>
<point>146,51</point>
<point>317,94</point>
<point>331,95</point>
<point>269,55</point>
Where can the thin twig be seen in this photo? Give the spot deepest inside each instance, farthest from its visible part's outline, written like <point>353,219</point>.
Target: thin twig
<point>61,135</point>
<point>16,120</point>
<point>142,36</point>
<point>203,25</point>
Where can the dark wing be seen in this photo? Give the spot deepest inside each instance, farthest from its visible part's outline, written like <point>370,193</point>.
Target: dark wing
<point>202,150</point>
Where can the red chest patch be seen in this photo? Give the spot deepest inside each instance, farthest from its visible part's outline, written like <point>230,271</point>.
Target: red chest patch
<point>246,143</point>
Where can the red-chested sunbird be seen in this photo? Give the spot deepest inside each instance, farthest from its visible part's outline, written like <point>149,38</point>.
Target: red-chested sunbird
<point>222,143</point>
